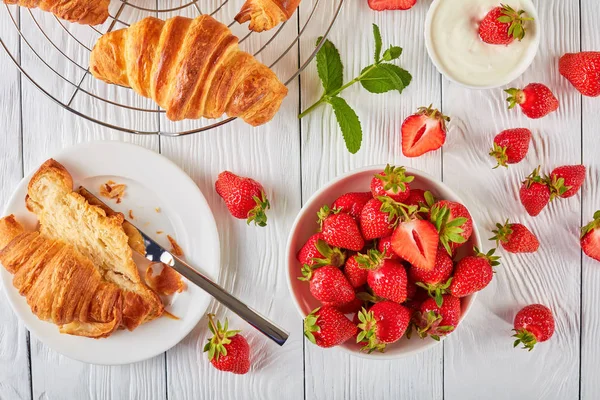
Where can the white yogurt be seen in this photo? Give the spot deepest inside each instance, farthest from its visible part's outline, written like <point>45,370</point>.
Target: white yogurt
<point>453,43</point>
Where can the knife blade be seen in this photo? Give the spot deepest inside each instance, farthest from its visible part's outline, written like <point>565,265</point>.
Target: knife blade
<point>156,253</point>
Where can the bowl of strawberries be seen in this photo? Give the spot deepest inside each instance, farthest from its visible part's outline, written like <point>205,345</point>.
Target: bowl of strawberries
<point>384,262</point>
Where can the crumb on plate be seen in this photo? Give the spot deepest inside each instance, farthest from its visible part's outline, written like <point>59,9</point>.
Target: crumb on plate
<point>166,282</point>
<point>157,209</point>
<point>131,214</point>
<point>159,232</point>
<point>175,248</point>
<point>113,190</point>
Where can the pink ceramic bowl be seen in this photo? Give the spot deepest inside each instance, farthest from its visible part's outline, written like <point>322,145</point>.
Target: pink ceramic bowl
<point>305,225</point>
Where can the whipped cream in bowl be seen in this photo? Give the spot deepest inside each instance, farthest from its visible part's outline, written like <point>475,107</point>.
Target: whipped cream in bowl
<point>454,46</point>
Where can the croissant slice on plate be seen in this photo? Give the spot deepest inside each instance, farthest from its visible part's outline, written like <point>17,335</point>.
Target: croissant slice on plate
<point>266,14</point>
<point>67,216</point>
<point>87,12</point>
<point>60,285</point>
<point>191,67</point>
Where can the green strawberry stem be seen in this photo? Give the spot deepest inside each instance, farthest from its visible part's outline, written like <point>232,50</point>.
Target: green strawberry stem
<point>327,96</point>
<point>221,334</point>
<point>525,338</point>
<point>595,224</point>
<point>502,232</point>
<point>257,214</point>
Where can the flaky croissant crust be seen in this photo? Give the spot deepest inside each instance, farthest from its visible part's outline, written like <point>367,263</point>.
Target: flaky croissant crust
<point>87,12</point>
<point>191,67</point>
<point>266,14</point>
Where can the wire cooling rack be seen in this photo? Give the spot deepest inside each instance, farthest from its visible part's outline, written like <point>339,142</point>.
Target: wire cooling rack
<point>54,55</point>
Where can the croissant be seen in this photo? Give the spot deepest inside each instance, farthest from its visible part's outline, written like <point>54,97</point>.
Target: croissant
<point>266,14</point>
<point>59,284</point>
<point>191,67</point>
<point>67,216</point>
<point>87,12</point>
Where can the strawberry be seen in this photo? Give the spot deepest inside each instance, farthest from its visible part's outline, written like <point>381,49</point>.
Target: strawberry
<point>245,198</point>
<point>383,324</point>
<point>502,25</point>
<point>534,193</point>
<point>356,275</point>
<point>328,284</point>
<point>473,273</point>
<point>377,219</point>
<point>384,246</point>
<point>565,181</point>
<point>515,238</point>
<point>453,222</point>
<point>351,307</point>
<point>583,71</point>
<point>381,5</point>
<point>533,324</point>
<point>415,198</point>
<point>227,350</point>
<point>352,203</point>
<point>340,229</point>
<point>437,280</point>
<point>590,238</point>
<point>535,99</point>
<point>511,146</point>
<point>436,320</point>
<point>416,241</point>
<point>327,327</point>
<point>392,182</point>
<point>317,252</point>
<point>423,131</point>
<point>386,278</point>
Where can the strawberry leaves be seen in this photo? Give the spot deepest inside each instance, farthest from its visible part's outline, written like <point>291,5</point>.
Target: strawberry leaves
<point>380,77</point>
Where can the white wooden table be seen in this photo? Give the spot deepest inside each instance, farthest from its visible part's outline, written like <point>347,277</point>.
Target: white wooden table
<point>476,362</point>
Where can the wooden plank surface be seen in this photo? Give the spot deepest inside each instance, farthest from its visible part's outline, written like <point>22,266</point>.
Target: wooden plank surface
<point>475,362</point>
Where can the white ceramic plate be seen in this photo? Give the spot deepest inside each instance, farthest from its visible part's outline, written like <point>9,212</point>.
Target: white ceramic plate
<point>152,181</point>
<point>305,225</point>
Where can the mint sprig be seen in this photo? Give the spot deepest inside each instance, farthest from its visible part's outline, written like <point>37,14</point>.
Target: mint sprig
<point>379,77</point>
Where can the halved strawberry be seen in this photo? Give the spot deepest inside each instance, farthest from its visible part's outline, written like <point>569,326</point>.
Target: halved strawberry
<point>416,241</point>
<point>423,131</point>
<point>381,5</point>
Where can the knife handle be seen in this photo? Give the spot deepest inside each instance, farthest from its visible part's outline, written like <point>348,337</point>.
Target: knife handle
<point>252,317</point>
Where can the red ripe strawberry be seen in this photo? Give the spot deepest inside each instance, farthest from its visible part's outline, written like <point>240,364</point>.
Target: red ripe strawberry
<point>356,275</point>
<point>317,252</point>
<point>423,132</point>
<point>536,100</point>
<point>453,222</point>
<point>386,278</point>
<point>590,238</point>
<point>351,307</point>
<point>381,5</point>
<point>515,238</point>
<point>328,284</point>
<point>583,71</point>
<point>383,324</point>
<point>245,198</point>
<point>511,146</point>
<point>416,241</point>
<point>384,246</point>
<point>227,350</point>
<point>502,25</point>
<point>375,222</point>
<point>352,203</point>
<point>340,229</point>
<point>392,182</point>
<point>565,181</point>
<point>327,327</point>
<point>534,193</point>
<point>533,324</point>
<point>416,198</point>
<point>435,320</point>
<point>473,273</point>
<point>437,280</point>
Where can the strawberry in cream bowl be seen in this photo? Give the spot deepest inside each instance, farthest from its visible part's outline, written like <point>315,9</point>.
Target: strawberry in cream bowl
<point>482,44</point>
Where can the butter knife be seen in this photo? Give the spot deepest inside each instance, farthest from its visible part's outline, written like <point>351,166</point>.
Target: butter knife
<point>156,253</point>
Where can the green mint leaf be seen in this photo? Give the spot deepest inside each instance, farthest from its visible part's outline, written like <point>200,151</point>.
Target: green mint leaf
<point>392,53</point>
<point>378,42</point>
<point>329,66</point>
<point>385,77</point>
<point>348,122</point>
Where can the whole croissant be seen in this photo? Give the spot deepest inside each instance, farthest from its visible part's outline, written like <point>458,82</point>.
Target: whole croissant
<point>61,286</point>
<point>87,12</point>
<point>191,67</point>
<point>266,14</point>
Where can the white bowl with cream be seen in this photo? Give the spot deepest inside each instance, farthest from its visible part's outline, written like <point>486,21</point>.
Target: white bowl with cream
<point>457,51</point>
